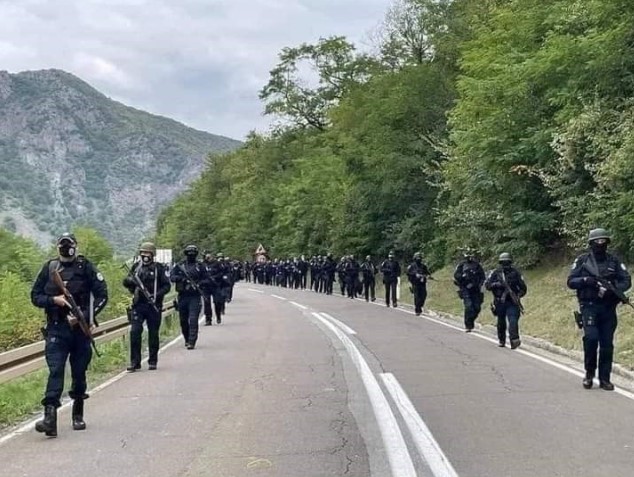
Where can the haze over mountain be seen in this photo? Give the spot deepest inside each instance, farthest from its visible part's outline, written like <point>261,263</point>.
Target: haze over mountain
<point>70,155</point>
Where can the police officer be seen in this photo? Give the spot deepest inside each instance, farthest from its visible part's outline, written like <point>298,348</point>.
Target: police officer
<point>508,287</point>
<point>64,338</point>
<point>369,271</point>
<point>191,281</point>
<point>595,275</point>
<point>469,277</point>
<point>391,271</point>
<point>417,273</point>
<point>152,275</point>
<point>351,276</point>
<point>207,309</point>
<point>217,273</point>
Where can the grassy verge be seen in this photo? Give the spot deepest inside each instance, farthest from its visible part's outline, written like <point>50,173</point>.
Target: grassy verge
<point>549,305</point>
<point>22,396</point>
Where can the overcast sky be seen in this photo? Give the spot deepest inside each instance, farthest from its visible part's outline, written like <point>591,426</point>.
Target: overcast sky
<point>201,62</point>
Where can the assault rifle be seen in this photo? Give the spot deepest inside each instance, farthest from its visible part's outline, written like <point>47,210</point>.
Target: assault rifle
<point>141,288</point>
<point>514,298</point>
<point>75,310</point>
<point>593,270</point>
<point>190,279</point>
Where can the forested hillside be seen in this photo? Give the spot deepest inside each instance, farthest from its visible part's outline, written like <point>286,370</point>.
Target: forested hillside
<point>500,124</point>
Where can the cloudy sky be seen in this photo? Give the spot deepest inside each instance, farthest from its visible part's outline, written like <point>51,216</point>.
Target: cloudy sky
<point>201,62</point>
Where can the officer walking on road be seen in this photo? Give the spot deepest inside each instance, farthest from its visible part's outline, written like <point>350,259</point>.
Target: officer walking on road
<point>508,287</point>
<point>469,277</point>
<point>191,282</point>
<point>598,278</point>
<point>391,271</point>
<point>417,273</point>
<point>146,277</point>
<point>64,338</point>
<point>369,271</point>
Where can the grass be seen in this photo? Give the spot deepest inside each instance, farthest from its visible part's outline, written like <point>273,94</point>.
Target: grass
<point>548,309</point>
<point>21,397</point>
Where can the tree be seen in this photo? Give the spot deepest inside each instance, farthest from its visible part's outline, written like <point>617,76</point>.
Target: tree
<point>338,68</point>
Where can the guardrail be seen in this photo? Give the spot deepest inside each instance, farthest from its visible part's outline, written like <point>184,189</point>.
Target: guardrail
<point>20,361</point>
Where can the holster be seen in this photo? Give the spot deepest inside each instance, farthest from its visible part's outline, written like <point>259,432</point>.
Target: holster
<point>578,319</point>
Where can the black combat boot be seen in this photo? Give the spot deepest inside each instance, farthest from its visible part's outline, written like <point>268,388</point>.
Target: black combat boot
<point>587,381</point>
<point>48,425</point>
<point>78,415</point>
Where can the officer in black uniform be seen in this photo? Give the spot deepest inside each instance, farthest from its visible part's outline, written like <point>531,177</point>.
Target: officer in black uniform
<point>207,309</point>
<point>64,339</point>
<point>329,267</point>
<point>191,282</point>
<point>154,279</point>
<point>351,276</point>
<point>391,271</point>
<point>369,271</point>
<point>594,275</point>
<point>469,277</point>
<point>417,273</point>
<point>504,278</point>
<point>217,273</point>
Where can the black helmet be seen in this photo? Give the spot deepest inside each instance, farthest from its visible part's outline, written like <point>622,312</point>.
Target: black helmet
<point>191,251</point>
<point>596,234</point>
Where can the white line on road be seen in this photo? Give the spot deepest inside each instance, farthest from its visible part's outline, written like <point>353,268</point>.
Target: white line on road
<point>279,297</point>
<point>400,461</point>
<point>298,305</point>
<point>343,326</point>
<point>427,446</point>
<point>28,425</point>
<point>254,290</point>
<point>535,356</point>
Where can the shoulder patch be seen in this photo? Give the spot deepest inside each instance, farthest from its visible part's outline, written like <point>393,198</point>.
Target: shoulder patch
<point>623,267</point>
<point>100,277</point>
<point>574,264</point>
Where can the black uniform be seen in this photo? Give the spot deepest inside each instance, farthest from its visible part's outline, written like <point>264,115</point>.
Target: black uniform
<point>391,271</point>
<point>189,296</point>
<point>417,273</point>
<point>598,313</point>
<point>218,276</point>
<point>469,277</point>
<point>63,342</point>
<point>154,279</point>
<point>369,270</point>
<point>503,305</point>
<point>351,277</point>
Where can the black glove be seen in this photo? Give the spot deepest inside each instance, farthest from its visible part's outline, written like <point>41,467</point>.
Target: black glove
<point>590,282</point>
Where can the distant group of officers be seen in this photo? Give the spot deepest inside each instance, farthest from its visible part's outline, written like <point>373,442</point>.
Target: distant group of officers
<point>72,292</point>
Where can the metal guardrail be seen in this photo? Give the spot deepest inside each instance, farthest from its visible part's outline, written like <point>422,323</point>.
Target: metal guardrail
<point>20,361</point>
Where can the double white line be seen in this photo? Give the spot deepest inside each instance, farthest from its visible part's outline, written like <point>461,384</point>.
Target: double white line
<point>400,460</point>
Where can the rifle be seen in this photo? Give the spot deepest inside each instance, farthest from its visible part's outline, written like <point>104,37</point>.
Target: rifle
<point>75,310</point>
<point>191,280</point>
<point>141,287</point>
<point>514,298</point>
<point>594,273</point>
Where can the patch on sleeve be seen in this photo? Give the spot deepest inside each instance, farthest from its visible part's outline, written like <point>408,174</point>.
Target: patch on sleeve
<point>574,265</point>
<point>100,277</point>
<point>624,267</point>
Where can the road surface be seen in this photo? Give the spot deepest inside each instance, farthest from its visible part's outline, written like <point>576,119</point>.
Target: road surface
<point>296,384</point>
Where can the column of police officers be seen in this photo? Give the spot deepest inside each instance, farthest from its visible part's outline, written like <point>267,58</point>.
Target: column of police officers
<point>73,292</point>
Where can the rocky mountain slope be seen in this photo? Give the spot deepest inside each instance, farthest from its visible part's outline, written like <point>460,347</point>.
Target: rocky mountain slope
<point>70,155</point>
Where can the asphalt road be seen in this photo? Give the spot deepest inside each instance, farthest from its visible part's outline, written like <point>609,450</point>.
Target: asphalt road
<point>296,384</point>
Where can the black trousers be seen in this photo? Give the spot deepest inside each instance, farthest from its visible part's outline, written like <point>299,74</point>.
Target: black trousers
<point>188,312</point>
<point>390,292</point>
<point>369,289</point>
<point>420,296</point>
<point>144,313</point>
<point>599,326</point>
<point>472,302</point>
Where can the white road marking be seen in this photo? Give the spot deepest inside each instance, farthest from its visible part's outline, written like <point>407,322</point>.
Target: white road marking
<point>345,328</point>
<point>427,446</point>
<point>537,357</point>
<point>400,461</point>
<point>279,297</point>
<point>28,425</point>
<point>254,290</point>
<point>298,305</point>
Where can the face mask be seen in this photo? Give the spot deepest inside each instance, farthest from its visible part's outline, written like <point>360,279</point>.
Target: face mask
<point>418,260</point>
<point>599,248</point>
<point>146,259</point>
<point>66,250</point>
<point>191,258</point>
<point>506,265</point>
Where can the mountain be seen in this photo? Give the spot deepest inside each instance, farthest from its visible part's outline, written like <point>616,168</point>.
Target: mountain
<point>70,155</point>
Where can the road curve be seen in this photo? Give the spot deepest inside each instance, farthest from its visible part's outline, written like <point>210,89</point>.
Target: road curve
<point>302,385</point>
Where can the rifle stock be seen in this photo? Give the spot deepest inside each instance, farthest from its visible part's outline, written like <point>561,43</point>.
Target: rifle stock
<point>141,288</point>
<point>75,310</point>
<point>603,282</point>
